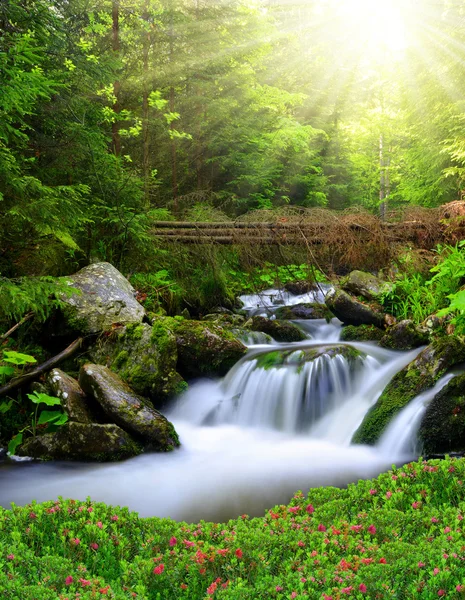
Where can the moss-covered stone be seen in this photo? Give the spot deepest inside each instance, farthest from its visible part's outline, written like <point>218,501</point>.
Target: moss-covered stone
<point>74,401</point>
<point>442,429</point>
<point>361,333</point>
<point>277,358</point>
<point>125,408</point>
<point>307,310</point>
<point>144,357</point>
<point>364,284</point>
<point>206,349</point>
<point>420,375</point>
<point>82,441</point>
<point>281,331</point>
<point>353,312</point>
<point>105,297</point>
<point>405,336</point>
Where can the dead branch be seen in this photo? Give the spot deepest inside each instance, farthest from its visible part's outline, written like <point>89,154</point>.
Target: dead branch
<point>15,327</point>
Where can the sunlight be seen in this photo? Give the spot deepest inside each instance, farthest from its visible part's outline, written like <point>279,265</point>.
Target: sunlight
<point>379,25</point>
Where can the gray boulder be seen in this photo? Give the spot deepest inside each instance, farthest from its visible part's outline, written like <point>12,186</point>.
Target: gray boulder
<point>366,285</point>
<point>281,331</point>
<point>128,410</point>
<point>306,310</point>
<point>73,400</point>
<point>353,312</point>
<point>82,441</point>
<point>405,335</point>
<point>105,298</point>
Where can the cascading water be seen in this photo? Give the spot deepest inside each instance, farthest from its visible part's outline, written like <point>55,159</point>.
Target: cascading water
<point>281,420</point>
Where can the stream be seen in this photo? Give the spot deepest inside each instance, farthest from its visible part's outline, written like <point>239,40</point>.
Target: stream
<point>251,439</point>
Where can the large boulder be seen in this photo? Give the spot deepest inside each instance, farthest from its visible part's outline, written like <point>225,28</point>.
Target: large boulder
<point>366,285</point>
<point>281,331</point>
<point>128,410</point>
<point>82,441</point>
<point>74,401</point>
<point>144,357</point>
<point>353,312</point>
<point>442,429</point>
<point>206,349</point>
<point>307,310</point>
<point>420,375</point>
<point>405,335</point>
<point>105,297</point>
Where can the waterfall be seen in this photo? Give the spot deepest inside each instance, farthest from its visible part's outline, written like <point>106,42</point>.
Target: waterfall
<point>281,420</point>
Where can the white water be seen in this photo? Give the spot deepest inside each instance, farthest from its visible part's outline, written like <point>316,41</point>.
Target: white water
<point>249,441</point>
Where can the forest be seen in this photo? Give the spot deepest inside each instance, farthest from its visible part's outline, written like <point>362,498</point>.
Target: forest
<point>232,267</point>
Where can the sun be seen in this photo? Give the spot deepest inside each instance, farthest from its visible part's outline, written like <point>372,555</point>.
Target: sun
<point>380,26</point>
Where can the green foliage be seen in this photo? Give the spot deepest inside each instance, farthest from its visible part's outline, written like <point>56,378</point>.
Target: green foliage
<point>271,275</point>
<point>399,535</point>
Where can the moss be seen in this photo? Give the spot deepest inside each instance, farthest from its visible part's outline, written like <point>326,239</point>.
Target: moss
<point>361,333</point>
<point>418,376</point>
<point>270,360</point>
<point>404,336</point>
<point>308,310</point>
<point>134,331</point>
<point>281,331</point>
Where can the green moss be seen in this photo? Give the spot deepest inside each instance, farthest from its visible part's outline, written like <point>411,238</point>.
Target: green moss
<point>361,333</point>
<point>270,360</point>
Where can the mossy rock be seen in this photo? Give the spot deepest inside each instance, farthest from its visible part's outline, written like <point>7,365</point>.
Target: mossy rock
<point>105,298</point>
<point>144,357</point>
<point>364,284</point>
<point>405,336</point>
<point>128,410</point>
<point>82,441</point>
<point>361,333</point>
<point>298,288</point>
<point>442,429</point>
<point>420,375</point>
<point>206,349</point>
<point>353,312</point>
<point>281,331</point>
<point>306,310</point>
<point>278,358</point>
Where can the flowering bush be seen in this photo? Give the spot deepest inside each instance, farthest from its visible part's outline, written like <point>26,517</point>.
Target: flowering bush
<point>405,541</point>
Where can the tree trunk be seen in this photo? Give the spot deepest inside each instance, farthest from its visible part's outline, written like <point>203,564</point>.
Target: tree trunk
<point>174,166</point>
<point>382,181</point>
<point>145,106</point>
<point>116,138</point>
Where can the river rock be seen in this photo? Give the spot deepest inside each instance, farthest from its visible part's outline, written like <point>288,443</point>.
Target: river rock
<point>298,288</point>
<point>405,335</point>
<point>278,358</point>
<point>105,297</point>
<point>353,312</point>
<point>366,285</point>
<point>307,310</point>
<point>361,333</point>
<point>144,357</point>
<point>420,375</point>
<point>281,331</point>
<point>442,429</point>
<point>128,410</point>
<point>74,401</point>
<point>206,349</point>
<point>82,441</point>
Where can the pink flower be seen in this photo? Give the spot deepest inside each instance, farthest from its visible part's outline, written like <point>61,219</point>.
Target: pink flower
<point>159,570</point>
<point>460,517</point>
<point>100,524</point>
<point>447,529</point>
<point>239,553</point>
<point>212,588</point>
<point>347,590</point>
<point>94,546</point>
<point>420,565</point>
<point>373,492</point>
<point>441,592</point>
<point>76,541</point>
<point>325,597</point>
<point>434,520</point>
<point>11,557</point>
<point>85,582</point>
<point>114,518</point>
<point>279,588</point>
<point>460,588</point>
<point>372,529</point>
<point>90,509</point>
<point>303,580</point>
<point>294,509</point>
<point>321,527</point>
<point>310,509</point>
<point>362,587</point>
<point>173,541</point>
<point>356,528</point>
<point>69,580</point>
<point>294,595</point>
<point>188,543</point>
<point>300,543</point>
<point>382,561</point>
<point>436,571</point>
<point>416,504</point>
<point>388,494</point>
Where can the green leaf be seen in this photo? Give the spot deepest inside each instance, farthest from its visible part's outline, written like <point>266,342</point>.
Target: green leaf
<point>16,358</point>
<point>6,371</point>
<point>15,442</point>
<point>39,398</point>
<point>5,406</point>
<point>52,416</point>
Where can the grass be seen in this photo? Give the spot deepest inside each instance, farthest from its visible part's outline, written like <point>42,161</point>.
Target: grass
<point>400,535</point>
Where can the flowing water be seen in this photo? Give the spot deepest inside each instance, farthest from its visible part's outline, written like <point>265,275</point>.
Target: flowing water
<point>281,420</point>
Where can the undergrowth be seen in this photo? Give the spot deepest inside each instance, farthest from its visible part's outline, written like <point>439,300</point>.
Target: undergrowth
<point>398,536</point>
